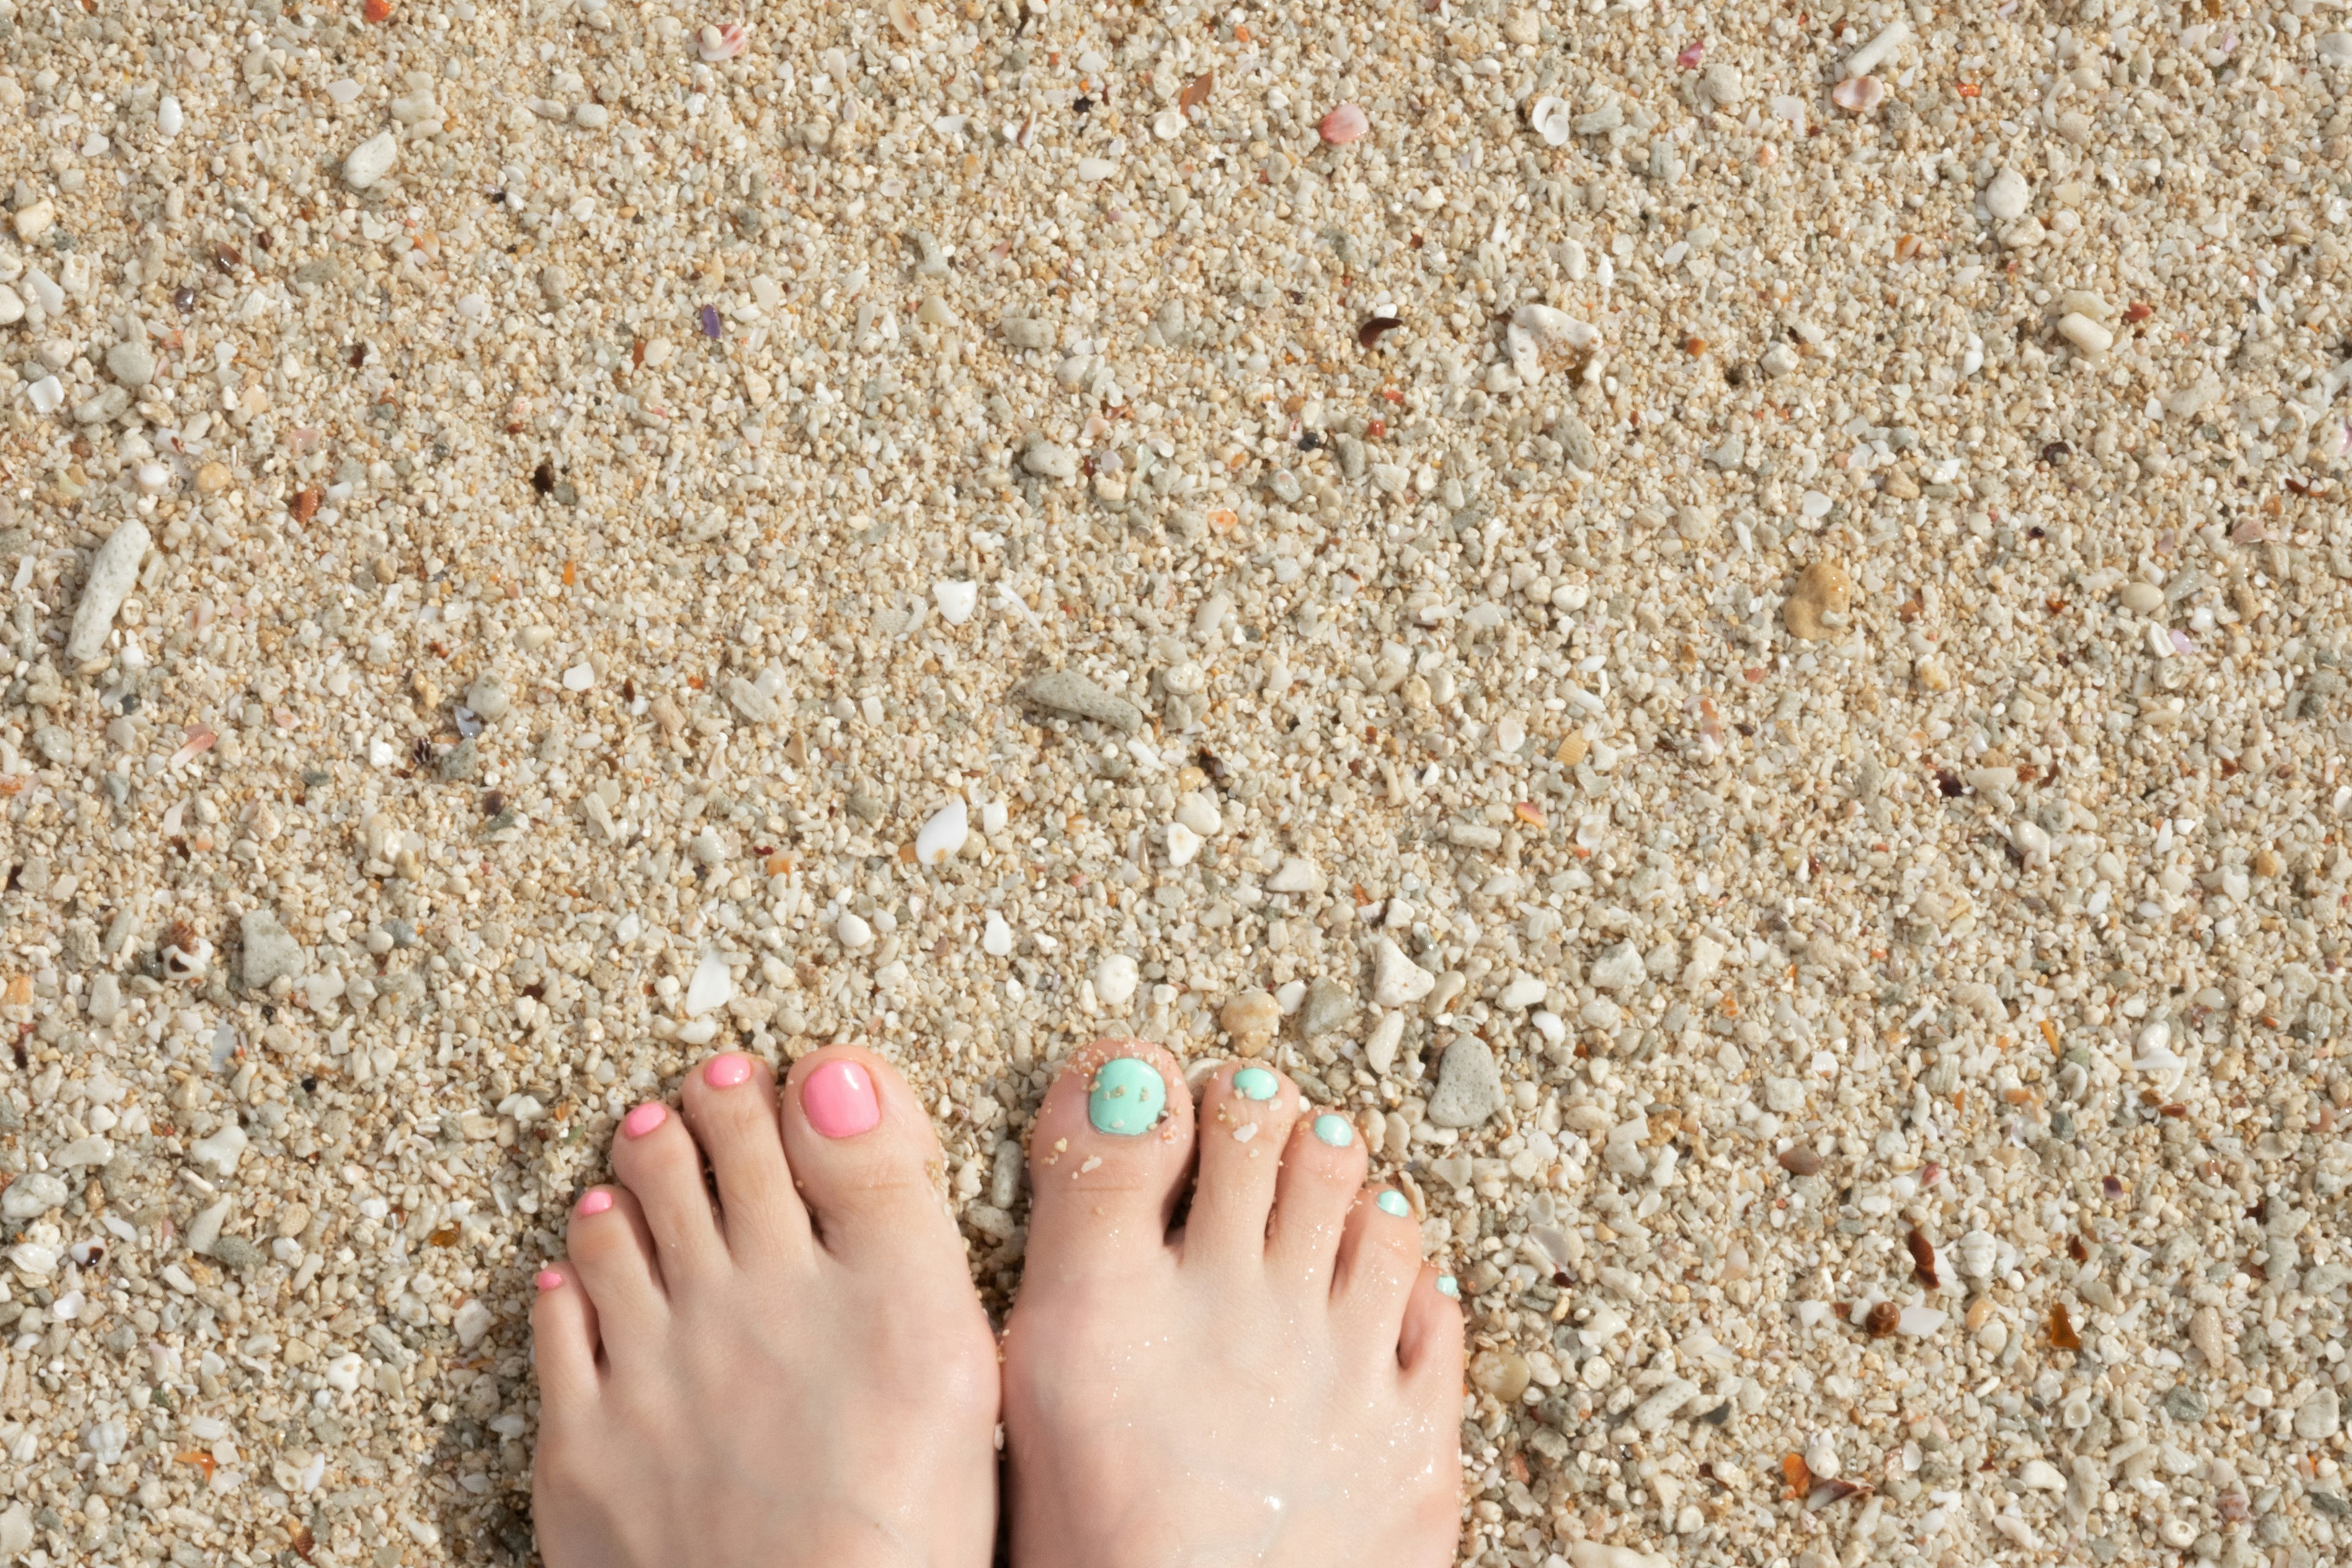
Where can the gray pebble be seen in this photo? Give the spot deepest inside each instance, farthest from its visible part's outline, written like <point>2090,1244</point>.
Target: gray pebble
<point>461,762</point>
<point>270,953</point>
<point>1328,1007</point>
<point>238,1253</point>
<point>489,699</point>
<point>1067,692</point>
<point>1469,1085</point>
<point>2185,1404</point>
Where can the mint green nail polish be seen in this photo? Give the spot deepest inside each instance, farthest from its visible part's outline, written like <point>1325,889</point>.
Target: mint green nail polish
<point>1127,1098</point>
<point>1446,1286</point>
<point>1255,1083</point>
<point>1392,1202</point>
<point>1334,1130</point>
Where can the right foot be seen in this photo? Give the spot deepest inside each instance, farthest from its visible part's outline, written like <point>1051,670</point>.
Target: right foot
<point>787,1365</point>
<point>1279,1383</point>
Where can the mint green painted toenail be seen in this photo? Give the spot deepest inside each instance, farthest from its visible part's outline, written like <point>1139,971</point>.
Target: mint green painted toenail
<point>1448,1287</point>
<point>1392,1202</point>
<point>1127,1098</point>
<point>1255,1083</point>
<point>1334,1130</point>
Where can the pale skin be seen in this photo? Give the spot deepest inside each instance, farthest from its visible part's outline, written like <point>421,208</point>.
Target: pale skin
<point>787,1364</point>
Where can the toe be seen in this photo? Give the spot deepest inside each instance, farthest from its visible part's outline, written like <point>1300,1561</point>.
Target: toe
<point>562,1339</point>
<point>656,1158</point>
<point>1106,1159</point>
<point>862,1154</point>
<point>1322,1172</point>
<point>1245,1119</point>
<point>613,1259</point>
<point>730,1105</point>
<point>1380,1258</point>
<point>1429,1345</point>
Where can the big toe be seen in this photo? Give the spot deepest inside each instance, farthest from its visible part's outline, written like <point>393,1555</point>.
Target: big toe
<point>863,1154</point>
<point>1107,1159</point>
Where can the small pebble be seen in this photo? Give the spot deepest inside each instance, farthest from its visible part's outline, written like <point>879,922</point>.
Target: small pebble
<point>1469,1084</point>
<point>2008,195</point>
<point>371,160</point>
<point>1115,979</point>
<point>942,836</point>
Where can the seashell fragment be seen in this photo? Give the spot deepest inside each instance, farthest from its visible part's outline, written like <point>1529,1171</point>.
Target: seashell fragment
<point>1859,95</point>
<point>715,44</point>
<point>1552,120</point>
<point>1344,124</point>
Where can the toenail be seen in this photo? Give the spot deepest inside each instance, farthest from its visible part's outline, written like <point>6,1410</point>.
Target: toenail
<point>597,1201</point>
<point>1446,1286</point>
<point>645,1118</point>
<point>1392,1202</point>
<point>1334,1130</point>
<point>1255,1083</point>
<point>727,1072</point>
<point>1127,1098</point>
<point>548,1280</point>
<point>840,1101</point>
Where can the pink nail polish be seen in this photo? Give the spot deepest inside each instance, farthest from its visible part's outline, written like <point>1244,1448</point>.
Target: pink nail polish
<point>727,1072</point>
<point>840,1101</point>
<point>645,1118</point>
<point>597,1201</point>
<point>548,1280</point>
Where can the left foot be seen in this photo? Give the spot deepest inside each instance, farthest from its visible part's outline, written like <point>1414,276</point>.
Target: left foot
<point>785,1364</point>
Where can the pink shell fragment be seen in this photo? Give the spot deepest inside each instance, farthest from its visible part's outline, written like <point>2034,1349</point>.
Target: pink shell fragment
<point>716,44</point>
<point>1692,54</point>
<point>200,739</point>
<point>1859,94</point>
<point>1344,124</point>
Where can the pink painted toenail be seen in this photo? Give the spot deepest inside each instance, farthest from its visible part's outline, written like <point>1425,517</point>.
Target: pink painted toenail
<point>727,1072</point>
<point>645,1118</point>
<point>548,1280</point>
<point>840,1101</point>
<point>597,1201</point>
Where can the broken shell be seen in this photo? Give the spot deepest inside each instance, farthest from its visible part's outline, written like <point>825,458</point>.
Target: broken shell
<point>1541,339</point>
<point>715,44</point>
<point>1551,118</point>
<point>1859,94</point>
<point>189,959</point>
<point>1344,124</point>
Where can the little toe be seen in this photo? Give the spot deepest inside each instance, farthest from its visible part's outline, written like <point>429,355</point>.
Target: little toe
<point>1245,1119</point>
<point>862,1153</point>
<point>1380,1258</point>
<point>1106,1159</point>
<point>613,1259</point>
<point>1322,1171</point>
<point>1429,1344</point>
<point>656,1159</point>
<point>562,1339</point>
<point>730,1105</point>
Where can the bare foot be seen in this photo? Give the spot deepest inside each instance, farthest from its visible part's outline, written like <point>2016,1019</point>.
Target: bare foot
<point>760,1375</point>
<point>1279,1383</point>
